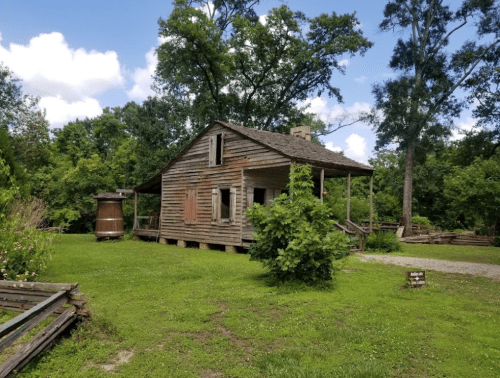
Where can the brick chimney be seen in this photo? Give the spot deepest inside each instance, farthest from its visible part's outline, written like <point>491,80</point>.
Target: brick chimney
<point>301,131</point>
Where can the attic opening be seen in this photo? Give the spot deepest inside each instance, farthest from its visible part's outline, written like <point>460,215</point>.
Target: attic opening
<point>225,204</point>
<point>259,196</point>
<point>218,154</point>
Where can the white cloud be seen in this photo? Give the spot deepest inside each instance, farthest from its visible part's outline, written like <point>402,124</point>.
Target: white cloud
<point>263,19</point>
<point>344,62</point>
<point>49,67</point>
<point>60,112</point>
<point>356,148</point>
<point>465,125</point>
<point>65,79</point>
<point>361,79</point>
<point>143,78</point>
<point>329,146</point>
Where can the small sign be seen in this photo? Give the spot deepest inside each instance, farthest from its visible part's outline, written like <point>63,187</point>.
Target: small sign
<point>415,279</point>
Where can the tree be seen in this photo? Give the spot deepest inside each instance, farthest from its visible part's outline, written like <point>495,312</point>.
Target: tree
<point>477,184</point>
<point>294,235</point>
<point>231,66</point>
<point>419,106</point>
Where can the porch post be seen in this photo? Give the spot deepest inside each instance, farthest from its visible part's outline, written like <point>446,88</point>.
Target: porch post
<point>349,196</point>
<point>322,184</point>
<point>371,203</point>
<point>136,225</point>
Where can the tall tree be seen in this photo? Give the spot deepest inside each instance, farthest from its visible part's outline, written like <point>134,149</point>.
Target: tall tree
<point>252,70</point>
<point>419,106</point>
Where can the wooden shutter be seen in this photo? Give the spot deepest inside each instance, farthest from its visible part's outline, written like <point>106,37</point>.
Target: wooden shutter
<point>250,196</point>
<point>215,205</point>
<point>190,206</point>
<point>212,150</point>
<point>269,196</point>
<point>232,204</point>
<point>221,149</point>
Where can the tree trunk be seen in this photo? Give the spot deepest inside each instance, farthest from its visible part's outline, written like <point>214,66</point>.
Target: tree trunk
<point>408,188</point>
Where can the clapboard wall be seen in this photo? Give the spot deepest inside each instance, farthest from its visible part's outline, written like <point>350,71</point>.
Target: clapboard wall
<point>190,182</point>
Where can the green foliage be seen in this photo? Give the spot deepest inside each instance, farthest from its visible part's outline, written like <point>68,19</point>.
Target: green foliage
<point>475,192</point>
<point>24,251</point>
<point>417,219</point>
<point>232,67</point>
<point>496,241</point>
<point>294,235</point>
<point>383,242</point>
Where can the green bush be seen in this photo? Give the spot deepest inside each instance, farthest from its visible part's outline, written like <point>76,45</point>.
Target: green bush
<point>383,241</point>
<point>417,219</point>
<point>24,250</point>
<point>294,235</point>
<point>23,253</point>
<point>496,241</point>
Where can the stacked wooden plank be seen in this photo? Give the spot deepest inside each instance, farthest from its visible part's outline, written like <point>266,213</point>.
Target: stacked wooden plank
<point>37,301</point>
<point>468,239</point>
<point>454,238</point>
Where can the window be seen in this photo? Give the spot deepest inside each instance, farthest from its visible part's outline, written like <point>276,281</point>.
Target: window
<point>223,206</point>
<point>216,150</point>
<point>190,206</point>
<point>259,196</point>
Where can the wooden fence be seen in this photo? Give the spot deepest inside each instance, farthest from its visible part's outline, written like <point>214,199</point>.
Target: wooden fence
<point>454,238</point>
<point>37,301</point>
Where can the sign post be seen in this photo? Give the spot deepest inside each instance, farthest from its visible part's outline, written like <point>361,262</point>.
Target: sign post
<point>415,279</point>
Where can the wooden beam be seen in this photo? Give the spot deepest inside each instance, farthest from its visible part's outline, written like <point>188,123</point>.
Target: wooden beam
<point>38,343</point>
<point>371,203</point>
<point>12,324</point>
<point>36,286</point>
<point>322,184</point>
<point>136,223</point>
<point>349,196</point>
<point>32,323</point>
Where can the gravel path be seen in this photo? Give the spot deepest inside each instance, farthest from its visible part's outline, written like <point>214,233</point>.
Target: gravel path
<point>476,269</point>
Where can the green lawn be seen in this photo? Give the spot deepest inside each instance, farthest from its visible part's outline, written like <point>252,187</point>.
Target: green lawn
<point>485,255</point>
<point>169,312</point>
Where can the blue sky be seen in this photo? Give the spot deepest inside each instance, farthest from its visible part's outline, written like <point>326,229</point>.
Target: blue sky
<point>80,57</point>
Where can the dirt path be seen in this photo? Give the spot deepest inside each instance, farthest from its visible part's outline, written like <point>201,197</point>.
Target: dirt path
<point>476,269</point>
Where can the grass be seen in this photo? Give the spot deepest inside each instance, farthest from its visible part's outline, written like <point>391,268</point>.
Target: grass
<point>163,311</point>
<point>485,255</point>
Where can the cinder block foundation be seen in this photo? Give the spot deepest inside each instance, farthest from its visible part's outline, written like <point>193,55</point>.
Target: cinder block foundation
<point>181,243</point>
<point>204,246</point>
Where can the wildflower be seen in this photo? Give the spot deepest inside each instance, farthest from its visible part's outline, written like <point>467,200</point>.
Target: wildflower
<point>30,247</point>
<point>2,270</point>
<point>26,273</point>
<point>4,262</point>
<point>33,274</point>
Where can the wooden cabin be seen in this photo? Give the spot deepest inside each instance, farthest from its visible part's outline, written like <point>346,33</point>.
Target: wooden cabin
<point>206,188</point>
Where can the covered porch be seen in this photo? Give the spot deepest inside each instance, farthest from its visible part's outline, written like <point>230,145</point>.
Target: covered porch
<point>263,184</point>
<point>147,225</point>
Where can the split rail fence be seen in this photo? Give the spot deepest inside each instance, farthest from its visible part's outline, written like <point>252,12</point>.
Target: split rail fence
<point>37,301</point>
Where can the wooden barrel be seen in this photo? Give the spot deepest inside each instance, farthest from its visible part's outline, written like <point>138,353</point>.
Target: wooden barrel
<point>109,218</point>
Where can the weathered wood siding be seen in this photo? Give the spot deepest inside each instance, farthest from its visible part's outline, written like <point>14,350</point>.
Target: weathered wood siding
<point>191,174</point>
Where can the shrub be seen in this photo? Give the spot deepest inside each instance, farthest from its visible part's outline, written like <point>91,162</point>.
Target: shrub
<point>417,219</point>
<point>294,235</point>
<point>496,241</point>
<point>24,251</point>
<point>383,241</point>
